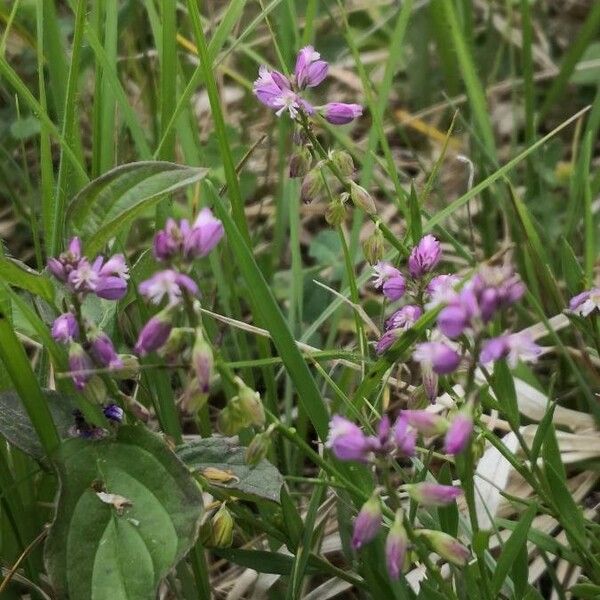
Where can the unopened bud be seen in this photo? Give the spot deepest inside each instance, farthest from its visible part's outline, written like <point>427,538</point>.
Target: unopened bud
<point>335,212</point>
<point>300,163</point>
<point>250,404</point>
<point>373,247</point>
<point>396,546</point>
<point>367,523</point>
<point>193,398</point>
<point>258,448</point>
<point>312,185</point>
<point>129,369</point>
<point>343,161</point>
<point>222,528</point>
<point>202,361</point>
<point>362,199</point>
<point>231,419</point>
<point>446,546</point>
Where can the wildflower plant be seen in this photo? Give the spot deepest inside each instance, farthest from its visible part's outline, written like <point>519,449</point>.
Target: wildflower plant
<point>286,334</point>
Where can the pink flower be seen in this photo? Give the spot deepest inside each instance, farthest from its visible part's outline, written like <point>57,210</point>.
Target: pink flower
<point>274,90</point>
<point>383,271</point>
<point>65,328</point>
<point>367,523</point>
<point>206,233</point>
<point>102,350</point>
<point>446,546</point>
<point>169,283</point>
<point>514,347</point>
<point>424,256</point>
<point>338,113</point>
<point>586,303</point>
<point>439,356</point>
<point>432,494</point>
<point>425,422</point>
<point>394,288</point>
<point>459,433</point>
<point>347,441</point>
<point>396,546</point>
<point>309,71</point>
<point>405,317</point>
<point>441,290</point>
<point>405,436</point>
<point>79,365</point>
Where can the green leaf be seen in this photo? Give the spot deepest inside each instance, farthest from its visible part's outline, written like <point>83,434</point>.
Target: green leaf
<point>259,560</point>
<point>16,426</point>
<point>260,482</point>
<point>94,550</point>
<point>18,274</point>
<point>504,389</point>
<point>512,548</point>
<point>585,590</point>
<point>109,203</point>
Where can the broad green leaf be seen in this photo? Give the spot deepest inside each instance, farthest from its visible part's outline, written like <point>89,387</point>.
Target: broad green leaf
<point>224,454</point>
<point>15,424</point>
<point>18,274</point>
<point>512,548</point>
<point>96,550</point>
<point>107,204</point>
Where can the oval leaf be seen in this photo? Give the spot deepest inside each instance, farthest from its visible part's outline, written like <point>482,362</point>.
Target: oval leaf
<point>109,203</point>
<point>221,462</point>
<point>104,549</point>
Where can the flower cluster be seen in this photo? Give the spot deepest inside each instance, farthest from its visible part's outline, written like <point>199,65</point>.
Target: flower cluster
<point>105,278</point>
<point>282,94</point>
<point>423,259</point>
<point>348,442</point>
<point>177,245</point>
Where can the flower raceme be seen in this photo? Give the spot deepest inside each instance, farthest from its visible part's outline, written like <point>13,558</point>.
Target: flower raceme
<point>283,94</point>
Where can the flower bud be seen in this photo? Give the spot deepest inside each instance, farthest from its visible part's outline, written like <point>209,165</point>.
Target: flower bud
<point>258,448</point>
<point>222,529</point>
<point>202,361</point>
<point>300,163</point>
<point>424,256</point>
<point>459,433</point>
<point>193,398</point>
<point>155,332</point>
<point>339,113</point>
<point>346,440</point>
<point>396,546</point>
<point>446,546</point>
<point>102,349</point>
<point>65,328</point>
<point>250,404</point>
<point>405,436</point>
<point>80,365</point>
<point>394,288</point>
<point>335,212</point>
<point>113,412</point>
<point>373,247</point>
<point>130,367</point>
<point>439,356</point>
<point>231,420</point>
<point>343,161</point>
<point>312,185</point>
<point>362,199</point>
<point>367,523</point>
<point>425,422</point>
<point>432,494</point>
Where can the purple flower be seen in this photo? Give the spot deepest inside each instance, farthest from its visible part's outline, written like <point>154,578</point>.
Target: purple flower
<point>65,328</point>
<point>83,278</point>
<point>206,233</point>
<point>405,436</point>
<point>438,355</point>
<point>426,422</point>
<point>154,333</point>
<point>396,546</point>
<point>111,287</point>
<point>202,361</point>
<point>433,494</point>
<point>494,288</point>
<point>347,441</point>
<point>309,71</point>
<point>367,523</point>
<point>383,271</point>
<point>62,266</point>
<point>405,317</point>
<point>387,339</point>
<point>441,290</point>
<point>102,350</point>
<point>454,319</point>
<point>586,303</point>
<point>115,266</point>
<point>338,113</point>
<point>394,288</point>
<point>113,412</point>
<point>515,347</point>
<point>169,283</point>
<point>424,256</point>
<point>458,434</point>
<point>80,365</point>
<point>446,546</point>
<point>274,90</point>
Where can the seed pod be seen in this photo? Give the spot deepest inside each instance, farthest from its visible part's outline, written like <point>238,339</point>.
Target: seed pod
<point>258,448</point>
<point>335,213</point>
<point>373,247</point>
<point>300,163</point>
<point>222,529</point>
<point>343,161</point>
<point>250,404</point>
<point>312,186</point>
